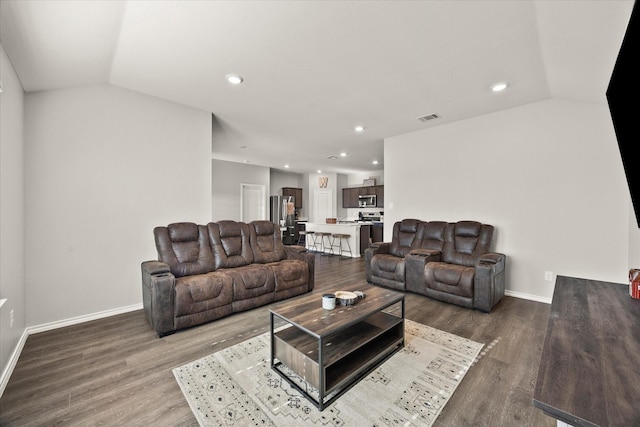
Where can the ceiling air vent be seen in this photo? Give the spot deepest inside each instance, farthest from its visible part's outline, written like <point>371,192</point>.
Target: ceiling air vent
<point>428,117</point>
<point>332,157</point>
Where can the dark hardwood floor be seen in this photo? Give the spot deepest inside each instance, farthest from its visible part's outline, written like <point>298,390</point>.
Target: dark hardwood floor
<point>116,372</point>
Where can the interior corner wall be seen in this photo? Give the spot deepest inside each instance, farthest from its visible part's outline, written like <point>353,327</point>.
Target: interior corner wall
<point>226,178</point>
<point>547,175</point>
<point>634,239</point>
<point>12,280</point>
<point>104,166</point>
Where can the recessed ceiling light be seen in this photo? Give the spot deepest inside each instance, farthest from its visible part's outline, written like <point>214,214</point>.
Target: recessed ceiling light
<point>375,162</point>
<point>499,87</point>
<point>319,171</point>
<point>358,128</point>
<point>234,79</point>
<point>286,166</point>
<point>343,154</point>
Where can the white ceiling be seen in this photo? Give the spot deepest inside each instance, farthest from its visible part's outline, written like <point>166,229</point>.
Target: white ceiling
<point>315,69</point>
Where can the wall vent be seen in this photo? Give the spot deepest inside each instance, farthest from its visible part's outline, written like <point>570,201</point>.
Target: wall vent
<point>429,117</point>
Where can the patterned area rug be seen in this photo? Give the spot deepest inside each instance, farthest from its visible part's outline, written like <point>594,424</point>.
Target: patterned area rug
<point>237,387</point>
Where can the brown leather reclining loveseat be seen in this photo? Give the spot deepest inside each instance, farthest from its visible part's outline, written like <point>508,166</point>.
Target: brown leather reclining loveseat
<point>451,262</point>
<point>205,272</point>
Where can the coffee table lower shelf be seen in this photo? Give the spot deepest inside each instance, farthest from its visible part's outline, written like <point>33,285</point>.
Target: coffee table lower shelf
<point>324,367</point>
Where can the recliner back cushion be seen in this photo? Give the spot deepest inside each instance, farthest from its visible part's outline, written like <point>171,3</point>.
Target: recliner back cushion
<point>466,241</point>
<point>266,242</point>
<point>184,246</point>
<point>405,237</point>
<point>433,235</point>
<point>230,244</point>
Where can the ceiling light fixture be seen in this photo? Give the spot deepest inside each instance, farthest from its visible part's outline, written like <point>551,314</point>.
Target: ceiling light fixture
<point>319,171</point>
<point>358,128</point>
<point>343,154</point>
<point>286,166</point>
<point>499,87</point>
<point>375,162</point>
<point>234,79</point>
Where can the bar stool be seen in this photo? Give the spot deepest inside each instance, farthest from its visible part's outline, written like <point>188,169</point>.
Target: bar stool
<point>302,238</point>
<point>339,237</point>
<point>320,241</point>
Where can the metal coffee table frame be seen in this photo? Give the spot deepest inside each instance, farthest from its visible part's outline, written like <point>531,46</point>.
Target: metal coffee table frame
<point>329,351</point>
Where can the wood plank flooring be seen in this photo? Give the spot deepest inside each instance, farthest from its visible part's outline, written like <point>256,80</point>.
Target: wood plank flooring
<point>116,372</point>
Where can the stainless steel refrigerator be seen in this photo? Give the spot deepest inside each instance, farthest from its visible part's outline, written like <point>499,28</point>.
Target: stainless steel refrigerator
<point>282,214</point>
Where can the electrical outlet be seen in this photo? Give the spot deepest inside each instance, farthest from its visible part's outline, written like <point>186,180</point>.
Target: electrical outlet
<point>11,318</point>
<point>548,276</point>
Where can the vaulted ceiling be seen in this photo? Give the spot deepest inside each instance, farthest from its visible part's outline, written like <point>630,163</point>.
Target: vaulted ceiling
<point>315,69</point>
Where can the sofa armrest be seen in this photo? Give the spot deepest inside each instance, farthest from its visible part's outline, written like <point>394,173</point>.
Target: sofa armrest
<point>414,264</point>
<point>379,248</point>
<point>158,295</point>
<point>155,267</point>
<point>489,281</point>
<point>374,249</point>
<point>294,249</point>
<point>301,253</point>
<point>429,254</point>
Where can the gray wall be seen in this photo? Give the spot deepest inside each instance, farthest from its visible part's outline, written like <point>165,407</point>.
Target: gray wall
<point>11,213</point>
<point>103,167</point>
<point>226,180</point>
<point>548,175</point>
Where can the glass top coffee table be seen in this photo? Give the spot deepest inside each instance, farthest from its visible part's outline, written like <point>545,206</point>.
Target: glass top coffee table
<point>323,353</point>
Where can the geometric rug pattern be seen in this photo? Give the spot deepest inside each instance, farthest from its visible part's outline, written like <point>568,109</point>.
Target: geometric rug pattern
<point>237,387</point>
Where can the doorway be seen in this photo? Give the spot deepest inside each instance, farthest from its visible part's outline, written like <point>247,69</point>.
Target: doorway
<point>253,205</point>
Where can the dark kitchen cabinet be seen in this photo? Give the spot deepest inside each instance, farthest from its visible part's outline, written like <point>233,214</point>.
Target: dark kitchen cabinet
<point>380,196</point>
<point>350,195</point>
<point>296,193</point>
<point>365,237</point>
<point>377,233</point>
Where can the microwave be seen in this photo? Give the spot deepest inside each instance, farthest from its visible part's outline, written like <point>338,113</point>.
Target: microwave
<point>367,201</point>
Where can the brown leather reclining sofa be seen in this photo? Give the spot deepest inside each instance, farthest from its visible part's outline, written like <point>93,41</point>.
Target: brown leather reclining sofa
<point>451,262</point>
<point>205,272</point>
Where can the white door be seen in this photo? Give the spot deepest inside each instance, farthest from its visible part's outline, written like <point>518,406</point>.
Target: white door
<point>254,202</point>
<point>323,205</point>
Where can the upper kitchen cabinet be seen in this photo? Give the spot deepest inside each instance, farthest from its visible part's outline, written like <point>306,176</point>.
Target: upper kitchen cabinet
<point>296,193</point>
<point>379,196</point>
<point>350,196</point>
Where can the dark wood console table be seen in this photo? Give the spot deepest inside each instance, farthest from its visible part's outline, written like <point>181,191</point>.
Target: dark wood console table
<point>589,371</point>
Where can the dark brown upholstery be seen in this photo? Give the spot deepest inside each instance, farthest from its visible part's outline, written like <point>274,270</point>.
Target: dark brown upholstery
<point>291,275</point>
<point>385,262</point>
<point>230,244</point>
<point>184,247</point>
<point>451,262</point>
<point>207,272</point>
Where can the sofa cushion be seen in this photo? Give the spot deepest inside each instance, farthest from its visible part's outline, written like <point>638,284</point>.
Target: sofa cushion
<point>184,247</point>
<point>266,242</point>
<point>289,274</point>
<point>466,241</point>
<point>450,278</point>
<point>388,270</point>
<point>433,235</point>
<point>230,244</point>
<point>202,292</point>
<point>405,237</point>
<point>250,281</point>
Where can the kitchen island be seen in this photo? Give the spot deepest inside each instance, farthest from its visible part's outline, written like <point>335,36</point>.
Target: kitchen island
<point>350,228</point>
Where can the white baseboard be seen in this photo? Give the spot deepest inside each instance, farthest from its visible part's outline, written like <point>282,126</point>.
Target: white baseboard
<point>13,360</point>
<point>530,297</point>
<point>81,319</point>
<point>11,364</point>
